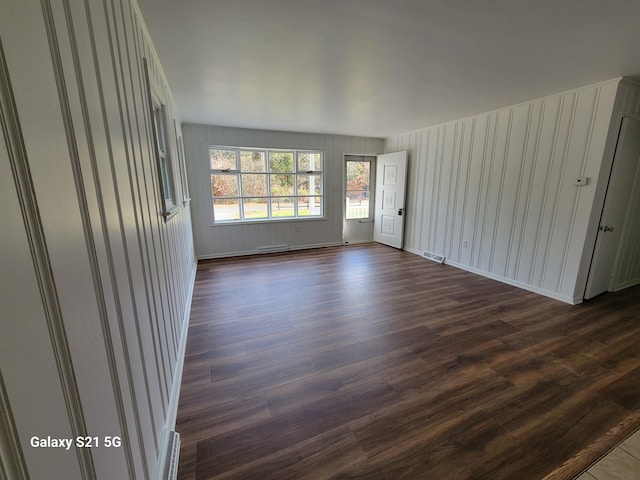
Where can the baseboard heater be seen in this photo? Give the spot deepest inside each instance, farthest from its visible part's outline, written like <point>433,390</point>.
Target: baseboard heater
<point>170,470</point>
<point>434,257</point>
<point>273,248</point>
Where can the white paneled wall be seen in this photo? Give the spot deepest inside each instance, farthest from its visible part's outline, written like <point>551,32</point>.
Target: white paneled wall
<point>95,285</point>
<point>227,240</point>
<point>493,193</point>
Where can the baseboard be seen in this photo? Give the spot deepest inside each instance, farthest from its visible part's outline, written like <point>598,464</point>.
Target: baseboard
<point>627,284</point>
<point>508,281</point>
<point>168,437</point>
<point>243,253</point>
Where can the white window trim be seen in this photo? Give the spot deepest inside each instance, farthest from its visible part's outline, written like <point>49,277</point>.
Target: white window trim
<point>371,160</point>
<point>167,200</point>
<point>238,172</point>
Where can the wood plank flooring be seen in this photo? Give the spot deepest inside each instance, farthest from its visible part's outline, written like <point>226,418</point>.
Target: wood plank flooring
<point>374,363</point>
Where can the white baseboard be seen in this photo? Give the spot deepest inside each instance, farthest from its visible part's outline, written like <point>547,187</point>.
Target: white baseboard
<point>508,281</point>
<point>164,451</point>
<point>262,252</point>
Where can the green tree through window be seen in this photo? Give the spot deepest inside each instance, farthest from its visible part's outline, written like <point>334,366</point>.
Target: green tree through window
<point>263,184</point>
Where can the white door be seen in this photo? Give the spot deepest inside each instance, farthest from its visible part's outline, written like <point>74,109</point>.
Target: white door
<point>615,208</point>
<point>391,179</point>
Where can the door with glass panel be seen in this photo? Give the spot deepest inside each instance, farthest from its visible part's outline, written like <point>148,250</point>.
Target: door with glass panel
<point>359,171</point>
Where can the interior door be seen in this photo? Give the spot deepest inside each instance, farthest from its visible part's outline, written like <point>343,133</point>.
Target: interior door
<point>391,179</point>
<point>615,207</point>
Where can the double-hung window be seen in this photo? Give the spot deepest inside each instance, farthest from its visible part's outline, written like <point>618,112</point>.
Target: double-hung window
<point>166,175</point>
<point>254,184</point>
<point>168,206</point>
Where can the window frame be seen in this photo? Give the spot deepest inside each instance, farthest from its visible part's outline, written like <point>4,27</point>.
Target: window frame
<point>268,196</point>
<point>371,204</point>
<point>163,156</point>
<point>182,166</point>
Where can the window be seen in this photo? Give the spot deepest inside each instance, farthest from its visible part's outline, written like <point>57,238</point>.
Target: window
<point>358,190</point>
<point>160,132</point>
<point>162,152</point>
<point>182,168</point>
<point>251,184</point>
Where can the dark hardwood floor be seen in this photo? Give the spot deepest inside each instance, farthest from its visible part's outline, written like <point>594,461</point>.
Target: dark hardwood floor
<point>374,363</point>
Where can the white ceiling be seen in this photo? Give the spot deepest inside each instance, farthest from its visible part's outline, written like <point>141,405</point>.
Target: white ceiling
<point>380,67</point>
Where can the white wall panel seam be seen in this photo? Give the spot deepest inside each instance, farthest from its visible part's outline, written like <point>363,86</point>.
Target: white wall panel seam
<point>437,182</point>
<point>534,162</point>
<point>452,194</point>
<point>545,196</point>
<point>475,241</point>
<point>515,216</point>
<point>558,191</point>
<point>461,239</point>
<point>578,190</point>
<point>423,205</point>
<point>486,191</point>
<point>505,160</point>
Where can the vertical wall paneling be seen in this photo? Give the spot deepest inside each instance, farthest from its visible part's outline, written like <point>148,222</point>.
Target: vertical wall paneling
<point>131,87</point>
<point>92,198</point>
<point>97,294</point>
<point>138,375</point>
<point>12,463</point>
<point>38,331</point>
<point>240,239</point>
<point>493,193</point>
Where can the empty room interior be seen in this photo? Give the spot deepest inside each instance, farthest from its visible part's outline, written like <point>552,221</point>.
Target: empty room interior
<point>277,239</point>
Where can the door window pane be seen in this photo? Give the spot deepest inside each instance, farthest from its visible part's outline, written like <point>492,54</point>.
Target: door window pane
<point>358,191</point>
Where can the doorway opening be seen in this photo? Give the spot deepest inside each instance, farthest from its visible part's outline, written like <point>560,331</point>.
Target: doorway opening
<point>359,174</point>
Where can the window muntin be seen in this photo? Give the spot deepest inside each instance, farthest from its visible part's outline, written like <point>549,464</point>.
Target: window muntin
<point>265,184</point>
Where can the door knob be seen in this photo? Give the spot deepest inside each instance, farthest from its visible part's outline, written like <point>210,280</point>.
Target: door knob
<point>400,211</point>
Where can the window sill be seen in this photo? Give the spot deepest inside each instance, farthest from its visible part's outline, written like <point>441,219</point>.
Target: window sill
<point>263,221</point>
<point>170,213</point>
